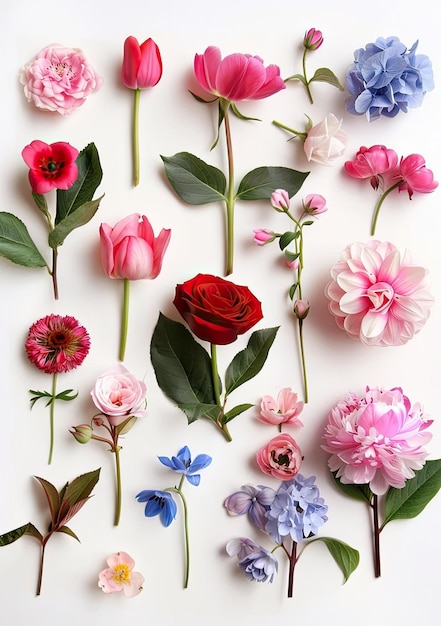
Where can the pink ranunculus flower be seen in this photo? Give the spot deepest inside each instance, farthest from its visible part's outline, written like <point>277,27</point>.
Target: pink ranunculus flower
<point>372,163</point>
<point>263,236</point>
<point>378,295</point>
<point>281,457</point>
<point>119,394</point>
<point>326,141</point>
<point>59,79</point>
<point>314,204</point>
<point>142,64</point>
<point>51,166</point>
<point>376,439</point>
<point>237,76</point>
<point>119,576</point>
<point>416,176</point>
<point>285,410</point>
<point>131,250</point>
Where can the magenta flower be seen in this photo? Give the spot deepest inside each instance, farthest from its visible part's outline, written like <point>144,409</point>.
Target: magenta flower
<point>415,175</point>
<point>281,457</point>
<point>372,163</point>
<point>263,236</point>
<point>314,204</point>
<point>285,410</point>
<point>378,295</point>
<point>50,165</point>
<point>237,76</point>
<point>119,576</point>
<point>313,39</point>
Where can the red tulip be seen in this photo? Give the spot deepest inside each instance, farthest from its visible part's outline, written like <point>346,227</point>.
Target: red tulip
<point>142,64</point>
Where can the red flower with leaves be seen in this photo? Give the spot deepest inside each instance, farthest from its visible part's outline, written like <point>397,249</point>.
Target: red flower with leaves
<point>50,165</point>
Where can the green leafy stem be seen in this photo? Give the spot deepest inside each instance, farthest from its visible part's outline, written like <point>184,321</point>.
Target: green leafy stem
<point>323,75</point>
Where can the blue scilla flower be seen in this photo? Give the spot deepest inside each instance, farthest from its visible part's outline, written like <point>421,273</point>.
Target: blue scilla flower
<point>297,510</point>
<point>159,503</point>
<point>182,464</point>
<point>386,78</point>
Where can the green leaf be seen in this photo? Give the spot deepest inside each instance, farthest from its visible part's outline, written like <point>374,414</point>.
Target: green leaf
<point>347,558</point>
<point>89,177</point>
<point>291,256</point>
<point>182,367</point>
<point>248,362</point>
<point>324,75</point>
<point>357,492</point>
<point>194,411</point>
<point>235,411</point>
<point>126,425</point>
<point>74,494</point>
<point>260,183</point>
<point>52,497</point>
<point>13,535</point>
<point>16,244</point>
<point>417,492</point>
<point>41,203</point>
<point>80,216</point>
<point>241,116</point>
<point>194,181</point>
<point>296,77</point>
<point>67,531</point>
<point>67,395</point>
<point>287,237</point>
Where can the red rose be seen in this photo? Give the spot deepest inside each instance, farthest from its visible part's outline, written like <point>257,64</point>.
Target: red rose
<point>215,309</point>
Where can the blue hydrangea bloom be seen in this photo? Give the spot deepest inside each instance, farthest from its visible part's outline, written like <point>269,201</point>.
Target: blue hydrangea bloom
<point>297,510</point>
<point>182,464</point>
<point>159,503</point>
<point>386,78</point>
<point>257,563</point>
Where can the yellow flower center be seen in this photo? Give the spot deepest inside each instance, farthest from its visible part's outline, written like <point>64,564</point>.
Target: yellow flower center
<point>121,574</point>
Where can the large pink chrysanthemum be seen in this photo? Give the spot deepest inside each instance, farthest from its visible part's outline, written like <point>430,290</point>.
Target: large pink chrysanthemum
<point>57,343</point>
<point>378,295</point>
<point>376,439</point>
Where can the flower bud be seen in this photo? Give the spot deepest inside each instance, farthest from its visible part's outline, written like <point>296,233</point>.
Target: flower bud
<point>313,39</point>
<point>263,236</point>
<point>280,200</point>
<point>293,265</point>
<point>314,204</point>
<point>301,309</point>
<point>82,433</point>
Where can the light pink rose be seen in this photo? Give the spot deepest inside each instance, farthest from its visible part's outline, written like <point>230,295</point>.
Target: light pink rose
<point>280,458</point>
<point>285,410</point>
<point>59,79</point>
<point>119,395</point>
<point>325,141</point>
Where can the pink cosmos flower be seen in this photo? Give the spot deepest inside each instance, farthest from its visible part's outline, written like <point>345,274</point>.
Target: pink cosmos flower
<point>285,410</point>
<point>236,77</point>
<point>371,163</point>
<point>377,439</point>
<point>57,343</point>
<point>119,576</point>
<point>378,295</point>
<point>119,394</point>
<point>416,176</point>
<point>131,250</point>
<point>142,64</point>
<point>50,165</point>
<point>326,141</point>
<point>281,457</point>
<point>59,79</point>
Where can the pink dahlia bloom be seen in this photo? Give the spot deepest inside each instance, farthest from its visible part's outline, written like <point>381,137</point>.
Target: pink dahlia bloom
<point>377,439</point>
<point>119,576</point>
<point>377,294</point>
<point>59,79</point>
<point>237,76</point>
<point>285,410</point>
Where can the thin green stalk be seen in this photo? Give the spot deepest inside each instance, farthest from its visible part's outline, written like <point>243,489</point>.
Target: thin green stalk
<point>178,490</point>
<point>377,561</point>
<point>54,272</point>
<point>215,376</point>
<point>118,486</point>
<point>306,83</point>
<point>379,205</point>
<point>124,319</point>
<point>302,355</point>
<point>230,199</point>
<point>135,136</point>
<point>51,416</point>
<point>297,133</point>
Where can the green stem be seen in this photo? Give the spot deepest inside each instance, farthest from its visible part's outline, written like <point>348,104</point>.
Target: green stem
<point>302,355</point>
<point>297,133</point>
<point>215,377</point>
<point>51,416</point>
<point>135,136</point>
<point>178,490</point>
<point>54,272</point>
<point>118,486</point>
<point>304,76</point>
<point>230,198</point>
<point>380,202</point>
<point>124,319</point>
<point>377,562</point>
<point>40,569</point>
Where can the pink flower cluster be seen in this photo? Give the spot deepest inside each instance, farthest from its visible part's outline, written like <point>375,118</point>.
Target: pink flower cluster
<point>376,439</point>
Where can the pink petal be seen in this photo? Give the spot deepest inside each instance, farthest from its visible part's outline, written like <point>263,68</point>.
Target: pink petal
<point>373,324</point>
<point>131,62</point>
<point>206,66</point>
<point>240,77</point>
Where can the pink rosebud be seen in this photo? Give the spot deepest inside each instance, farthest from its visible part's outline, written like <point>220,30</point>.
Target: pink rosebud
<point>236,77</point>
<point>130,249</point>
<point>142,64</point>
<point>301,309</point>
<point>416,176</point>
<point>52,166</point>
<point>280,200</point>
<point>280,458</point>
<point>371,163</point>
<point>314,204</point>
<point>263,236</point>
<point>118,394</point>
<point>82,433</point>
<point>313,39</point>
<point>283,411</point>
<point>325,141</point>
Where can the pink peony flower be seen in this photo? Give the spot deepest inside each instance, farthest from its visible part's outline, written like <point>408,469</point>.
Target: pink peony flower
<point>51,165</point>
<point>59,79</point>
<point>284,410</point>
<point>416,176</point>
<point>371,163</point>
<point>119,576</point>
<point>131,250</point>
<point>236,77</point>
<point>378,295</point>
<point>280,458</point>
<point>376,439</point>
<point>142,64</point>
<point>119,394</point>
<point>325,141</point>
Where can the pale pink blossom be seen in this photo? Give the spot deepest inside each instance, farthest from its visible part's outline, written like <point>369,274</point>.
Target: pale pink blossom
<point>416,176</point>
<point>314,204</point>
<point>285,410</point>
<point>326,141</point>
<point>377,439</point>
<point>119,394</point>
<point>281,457</point>
<point>59,79</point>
<point>280,200</point>
<point>119,576</point>
<point>301,309</point>
<point>378,295</point>
<point>372,163</point>
<point>263,236</point>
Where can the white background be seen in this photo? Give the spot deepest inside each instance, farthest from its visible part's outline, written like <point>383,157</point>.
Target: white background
<point>172,121</point>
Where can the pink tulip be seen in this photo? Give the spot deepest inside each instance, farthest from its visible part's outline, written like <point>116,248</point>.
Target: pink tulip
<point>416,176</point>
<point>313,39</point>
<point>130,249</point>
<point>236,77</point>
<point>263,236</point>
<point>372,162</point>
<point>142,64</point>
